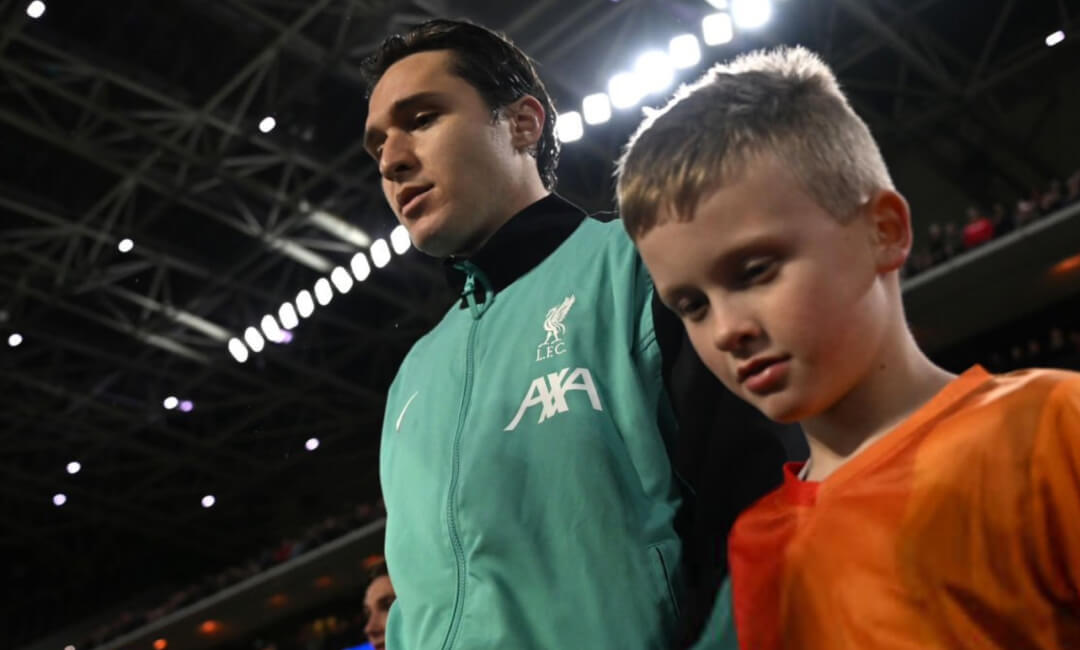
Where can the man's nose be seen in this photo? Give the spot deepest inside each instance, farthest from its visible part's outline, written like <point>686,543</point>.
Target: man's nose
<point>397,158</point>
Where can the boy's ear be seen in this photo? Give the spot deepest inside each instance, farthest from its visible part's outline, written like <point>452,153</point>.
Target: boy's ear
<point>890,219</point>
<point>526,115</point>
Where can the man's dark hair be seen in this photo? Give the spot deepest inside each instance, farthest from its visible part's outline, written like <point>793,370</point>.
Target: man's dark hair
<point>499,71</point>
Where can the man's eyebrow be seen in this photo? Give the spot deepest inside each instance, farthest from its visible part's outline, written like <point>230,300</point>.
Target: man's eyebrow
<point>403,105</point>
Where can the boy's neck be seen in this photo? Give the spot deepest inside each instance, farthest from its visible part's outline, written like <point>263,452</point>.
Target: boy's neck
<point>898,384</point>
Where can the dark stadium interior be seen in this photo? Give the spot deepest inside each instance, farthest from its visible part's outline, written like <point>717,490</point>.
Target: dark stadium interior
<point>135,119</point>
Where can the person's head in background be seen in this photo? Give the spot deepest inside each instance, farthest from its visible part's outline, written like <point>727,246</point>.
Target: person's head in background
<point>377,601</point>
<point>463,132</point>
<point>765,213</point>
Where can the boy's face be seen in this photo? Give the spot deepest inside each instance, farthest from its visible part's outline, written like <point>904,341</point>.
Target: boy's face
<point>784,303</point>
<point>445,163</point>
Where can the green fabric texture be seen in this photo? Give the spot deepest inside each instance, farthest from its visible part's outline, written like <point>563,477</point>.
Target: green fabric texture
<point>529,491</point>
<point>719,634</point>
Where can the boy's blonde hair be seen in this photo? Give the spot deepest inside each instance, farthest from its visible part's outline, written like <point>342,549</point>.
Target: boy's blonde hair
<point>785,102</point>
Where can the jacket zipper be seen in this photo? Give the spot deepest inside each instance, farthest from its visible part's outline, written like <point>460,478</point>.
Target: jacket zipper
<point>451,513</point>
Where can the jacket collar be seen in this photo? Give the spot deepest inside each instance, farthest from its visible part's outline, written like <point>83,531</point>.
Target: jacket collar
<point>522,243</point>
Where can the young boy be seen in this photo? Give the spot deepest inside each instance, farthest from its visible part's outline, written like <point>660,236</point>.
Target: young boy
<point>935,511</point>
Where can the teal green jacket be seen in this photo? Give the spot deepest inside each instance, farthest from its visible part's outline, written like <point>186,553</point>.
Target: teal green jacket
<point>530,496</point>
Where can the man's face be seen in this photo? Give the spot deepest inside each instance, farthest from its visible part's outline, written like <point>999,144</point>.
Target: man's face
<point>377,601</point>
<point>447,166</point>
<point>782,302</point>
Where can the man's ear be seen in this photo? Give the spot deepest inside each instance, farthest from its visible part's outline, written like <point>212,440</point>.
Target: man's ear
<point>890,220</point>
<point>526,116</point>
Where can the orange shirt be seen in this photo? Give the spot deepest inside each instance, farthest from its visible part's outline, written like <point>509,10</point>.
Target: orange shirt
<point>958,529</point>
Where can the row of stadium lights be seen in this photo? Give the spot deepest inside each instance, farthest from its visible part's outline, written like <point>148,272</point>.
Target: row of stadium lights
<point>654,70</point>
<point>289,314</point>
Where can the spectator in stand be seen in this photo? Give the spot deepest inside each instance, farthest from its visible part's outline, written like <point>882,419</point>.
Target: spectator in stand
<point>954,240</point>
<point>1053,199</point>
<point>979,229</point>
<point>1072,188</point>
<point>1003,223</point>
<point>377,600</point>
<point>1027,210</point>
<point>936,244</point>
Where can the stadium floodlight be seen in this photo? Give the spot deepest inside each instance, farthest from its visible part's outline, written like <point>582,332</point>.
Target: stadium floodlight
<point>267,124</point>
<point>59,499</point>
<point>624,90</point>
<point>684,51</point>
<point>569,127</point>
<point>69,647</point>
<point>304,304</point>
<point>717,29</point>
<point>399,239</point>
<point>287,315</point>
<point>238,350</point>
<point>341,279</point>
<point>73,467</point>
<point>125,245</point>
<point>254,340</point>
<point>270,329</point>
<point>35,10</point>
<point>187,406</point>
<point>596,108</point>
<point>361,269</point>
<point>1055,38</point>
<point>654,69</point>
<point>380,253</point>
<point>170,403</point>
<point>15,340</point>
<point>324,293</point>
<point>312,444</point>
<point>751,14</point>
<point>208,501</point>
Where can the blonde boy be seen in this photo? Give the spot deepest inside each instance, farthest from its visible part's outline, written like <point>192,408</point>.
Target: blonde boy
<point>935,511</point>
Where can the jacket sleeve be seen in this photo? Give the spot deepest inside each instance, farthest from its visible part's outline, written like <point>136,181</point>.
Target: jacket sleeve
<point>726,455</point>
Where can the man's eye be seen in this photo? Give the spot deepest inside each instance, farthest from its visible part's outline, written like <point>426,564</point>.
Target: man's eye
<point>424,119</point>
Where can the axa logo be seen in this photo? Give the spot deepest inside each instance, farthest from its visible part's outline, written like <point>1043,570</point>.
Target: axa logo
<point>549,393</point>
<point>553,344</point>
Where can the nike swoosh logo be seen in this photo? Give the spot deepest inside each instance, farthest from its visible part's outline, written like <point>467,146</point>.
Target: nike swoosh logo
<point>397,427</point>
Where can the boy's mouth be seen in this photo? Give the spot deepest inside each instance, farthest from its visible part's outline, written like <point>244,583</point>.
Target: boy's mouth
<point>757,365</point>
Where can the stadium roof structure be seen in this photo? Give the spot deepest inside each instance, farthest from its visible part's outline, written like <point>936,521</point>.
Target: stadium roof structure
<point>145,121</point>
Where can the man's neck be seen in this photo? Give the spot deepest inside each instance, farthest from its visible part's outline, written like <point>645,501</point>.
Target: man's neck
<point>898,384</point>
<point>523,197</point>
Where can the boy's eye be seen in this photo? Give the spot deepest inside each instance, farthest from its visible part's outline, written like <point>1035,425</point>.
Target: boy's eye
<point>756,271</point>
<point>691,309</point>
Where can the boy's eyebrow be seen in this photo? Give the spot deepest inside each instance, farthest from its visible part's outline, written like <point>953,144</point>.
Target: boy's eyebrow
<point>423,98</point>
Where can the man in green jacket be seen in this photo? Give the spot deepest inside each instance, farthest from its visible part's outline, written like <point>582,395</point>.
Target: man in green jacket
<point>530,457</point>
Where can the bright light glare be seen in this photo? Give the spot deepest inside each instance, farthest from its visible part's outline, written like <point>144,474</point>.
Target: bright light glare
<point>15,340</point>
<point>380,253</point>
<point>324,293</point>
<point>717,29</point>
<point>312,444</point>
<point>597,108</point>
<point>399,239</point>
<point>208,501</point>
<point>267,124</point>
<point>170,403</point>
<point>187,406</point>
<point>569,127</point>
<point>304,304</point>
<point>624,90</point>
<point>36,9</point>
<point>1055,38</point>
<point>254,340</point>
<point>59,499</point>
<point>69,647</point>
<point>719,4</point>
<point>270,329</point>
<point>125,245</point>
<point>684,51</point>
<point>73,467</point>
<point>341,279</point>
<point>287,315</point>
<point>751,14</point>
<point>361,269</point>
<point>655,71</point>
<point>238,350</point>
